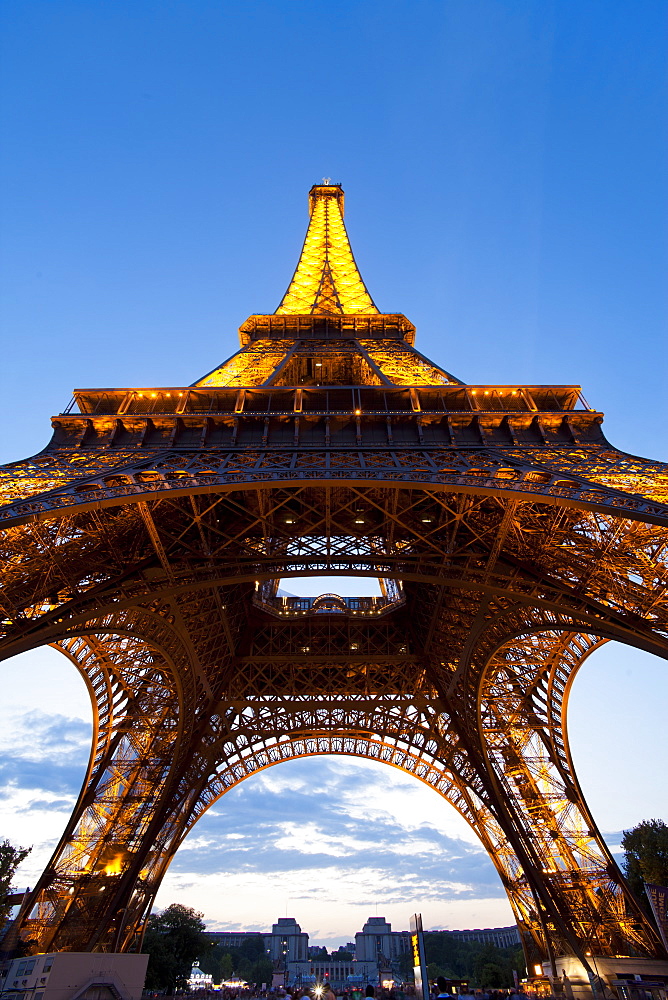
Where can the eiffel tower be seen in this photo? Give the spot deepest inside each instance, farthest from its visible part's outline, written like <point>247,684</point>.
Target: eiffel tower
<point>510,539</point>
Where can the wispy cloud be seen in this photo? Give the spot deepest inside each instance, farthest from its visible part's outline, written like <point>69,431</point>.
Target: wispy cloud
<point>341,834</point>
<point>36,736</point>
<point>43,762</point>
<point>309,838</point>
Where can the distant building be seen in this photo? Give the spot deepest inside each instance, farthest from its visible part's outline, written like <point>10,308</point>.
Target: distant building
<point>287,942</point>
<point>349,948</point>
<point>377,942</point>
<point>56,975</point>
<point>502,937</point>
<point>344,973</point>
<point>234,939</point>
<point>376,950</point>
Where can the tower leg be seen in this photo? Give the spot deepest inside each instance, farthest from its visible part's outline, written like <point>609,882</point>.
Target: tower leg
<point>104,857</point>
<point>522,726</point>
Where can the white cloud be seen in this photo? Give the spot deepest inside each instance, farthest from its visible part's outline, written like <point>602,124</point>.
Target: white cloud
<point>277,780</point>
<point>414,847</point>
<point>308,838</point>
<point>37,736</point>
<point>399,796</point>
<point>33,818</point>
<point>331,903</point>
<point>44,679</point>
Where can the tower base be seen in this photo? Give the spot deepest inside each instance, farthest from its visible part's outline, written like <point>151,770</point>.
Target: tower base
<point>623,978</point>
<point>75,975</point>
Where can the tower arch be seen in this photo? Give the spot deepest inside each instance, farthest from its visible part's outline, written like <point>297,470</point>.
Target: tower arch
<point>143,541</point>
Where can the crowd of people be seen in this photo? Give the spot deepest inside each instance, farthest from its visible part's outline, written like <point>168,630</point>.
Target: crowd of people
<point>440,990</point>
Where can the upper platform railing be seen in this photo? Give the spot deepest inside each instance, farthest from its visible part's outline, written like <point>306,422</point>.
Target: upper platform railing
<point>289,605</point>
<point>350,400</point>
<point>380,326</point>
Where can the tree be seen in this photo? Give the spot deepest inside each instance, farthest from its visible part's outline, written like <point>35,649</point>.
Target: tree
<point>646,856</point>
<point>252,948</point>
<point>405,964</point>
<point>248,961</point>
<point>10,858</point>
<point>481,964</point>
<point>225,967</point>
<point>218,962</point>
<point>492,975</point>
<point>260,972</point>
<point>173,940</point>
<point>434,971</point>
<point>488,966</point>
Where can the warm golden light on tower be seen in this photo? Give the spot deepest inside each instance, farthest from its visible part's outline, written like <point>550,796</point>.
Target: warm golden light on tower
<point>147,542</point>
<point>326,280</point>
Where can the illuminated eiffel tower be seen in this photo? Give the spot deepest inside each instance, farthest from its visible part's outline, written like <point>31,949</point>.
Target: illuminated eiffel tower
<point>511,539</point>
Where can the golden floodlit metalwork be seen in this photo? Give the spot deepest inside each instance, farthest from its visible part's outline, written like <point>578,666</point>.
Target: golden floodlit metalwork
<point>511,539</point>
<point>326,280</point>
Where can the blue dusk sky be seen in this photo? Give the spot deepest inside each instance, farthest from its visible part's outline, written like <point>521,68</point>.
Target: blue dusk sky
<point>505,168</point>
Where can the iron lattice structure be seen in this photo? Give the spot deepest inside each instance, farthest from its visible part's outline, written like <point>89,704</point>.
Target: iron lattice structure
<point>147,540</point>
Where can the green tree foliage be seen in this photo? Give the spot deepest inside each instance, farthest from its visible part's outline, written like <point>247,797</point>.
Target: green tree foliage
<point>479,964</point>
<point>492,976</point>
<point>173,940</point>
<point>490,969</point>
<point>248,962</point>
<point>10,858</point>
<point>225,968</point>
<point>405,966</point>
<point>646,856</point>
<point>434,971</point>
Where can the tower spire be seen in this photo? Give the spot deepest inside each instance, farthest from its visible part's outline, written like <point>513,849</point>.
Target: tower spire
<point>327,280</point>
<point>326,301</point>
